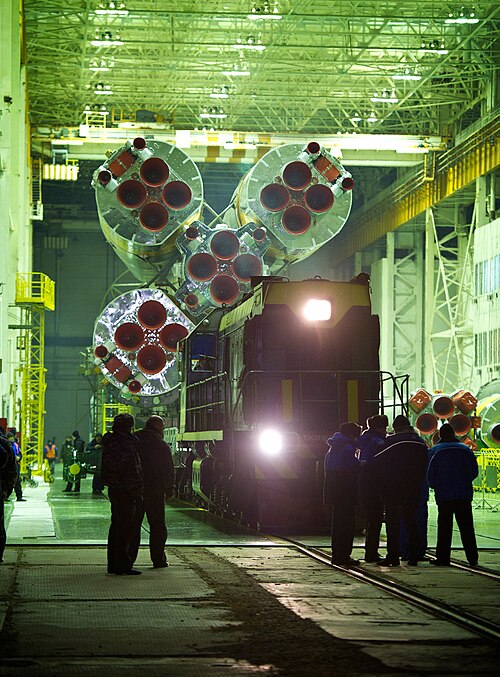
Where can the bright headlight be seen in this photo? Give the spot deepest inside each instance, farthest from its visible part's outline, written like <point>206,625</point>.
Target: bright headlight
<point>271,442</point>
<point>317,310</point>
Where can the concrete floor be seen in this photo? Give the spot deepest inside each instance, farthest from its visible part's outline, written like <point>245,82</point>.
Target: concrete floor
<point>231,602</point>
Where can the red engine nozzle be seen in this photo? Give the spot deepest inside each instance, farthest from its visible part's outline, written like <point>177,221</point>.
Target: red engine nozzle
<point>134,386</point>
<point>495,434</point>
<point>313,147</point>
<point>274,197</point>
<point>191,300</point>
<point>104,177</point>
<point>426,424</point>
<point>129,336</point>
<point>224,289</point>
<point>139,143</point>
<point>246,266</point>
<point>296,220</point>
<point>176,195</point>
<point>319,198</point>
<point>461,424</point>
<point>151,359</point>
<point>154,172</point>
<point>347,183</point>
<point>131,194</point>
<point>153,216</point>
<point>191,233</point>
<point>152,314</point>
<point>297,175</point>
<point>224,245</point>
<point>101,352</point>
<point>171,334</point>
<point>259,235</point>
<point>443,407</point>
<point>202,267</point>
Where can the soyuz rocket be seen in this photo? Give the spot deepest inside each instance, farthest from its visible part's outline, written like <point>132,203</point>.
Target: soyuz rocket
<point>151,209</point>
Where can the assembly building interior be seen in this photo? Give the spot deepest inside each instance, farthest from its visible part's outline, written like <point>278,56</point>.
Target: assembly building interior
<point>159,159</point>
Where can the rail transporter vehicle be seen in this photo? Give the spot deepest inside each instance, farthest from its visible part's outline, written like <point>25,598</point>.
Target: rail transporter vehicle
<point>263,386</point>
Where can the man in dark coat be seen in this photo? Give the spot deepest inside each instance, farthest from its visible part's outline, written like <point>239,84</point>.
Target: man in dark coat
<point>8,477</point>
<point>121,472</point>
<point>341,489</point>
<point>75,456</point>
<point>368,444</point>
<point>400,466</point>
<point>159,480</point>
<point>452,469</point>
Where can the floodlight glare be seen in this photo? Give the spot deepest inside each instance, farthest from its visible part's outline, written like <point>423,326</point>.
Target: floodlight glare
<point>317,310</point>
<point>271,442</point>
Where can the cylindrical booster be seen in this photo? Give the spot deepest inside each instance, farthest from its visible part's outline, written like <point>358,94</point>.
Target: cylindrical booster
<point>146,192</point>
<point>135,342</point>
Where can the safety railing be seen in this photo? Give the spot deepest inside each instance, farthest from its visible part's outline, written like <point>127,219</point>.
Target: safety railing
<point>35,289</point>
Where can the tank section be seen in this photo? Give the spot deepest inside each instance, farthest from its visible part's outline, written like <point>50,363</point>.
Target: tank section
<point>135,345</point>
<point>146,192</point>
<point>300,194</point>
<point>218,264</point>
<point>489,411</point>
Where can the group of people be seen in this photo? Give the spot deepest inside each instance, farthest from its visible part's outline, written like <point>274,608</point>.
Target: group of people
<point>9,476</point>
<point>390,475</point>
<point>139,472</point>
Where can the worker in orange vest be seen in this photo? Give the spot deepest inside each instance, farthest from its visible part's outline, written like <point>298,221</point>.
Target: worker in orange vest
<point>50,453</point>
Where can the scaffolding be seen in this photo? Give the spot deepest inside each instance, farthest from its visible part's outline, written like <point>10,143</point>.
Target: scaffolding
<point>34,295</point>
<point>109,411</point>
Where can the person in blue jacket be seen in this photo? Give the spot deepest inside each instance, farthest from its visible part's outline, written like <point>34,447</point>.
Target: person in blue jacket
<point>340,490</point>
<point>452,469</point>
<point>368,444</point>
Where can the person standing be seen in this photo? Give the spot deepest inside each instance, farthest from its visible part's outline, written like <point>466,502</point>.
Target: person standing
<point>159,481</point>
<point>74,455</point>
<point>340,491</point>
<point>18,456</point>
<point>121,472</point>
<point>95,447</point>
<point>400,465</point>
<point>452,469</point>
<point>50,453</point>
<point>368,444</point>
<point>8,477</point>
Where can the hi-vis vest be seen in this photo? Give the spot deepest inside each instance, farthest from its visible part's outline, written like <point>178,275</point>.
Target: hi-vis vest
<point>50,451</point>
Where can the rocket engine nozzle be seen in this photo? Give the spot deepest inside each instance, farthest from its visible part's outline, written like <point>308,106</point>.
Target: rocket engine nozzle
<point>154,172</point>
<point>443,406</point>
<point>297,175</point>
<point>171,334</point>
<point>101,351</point>
<point>152,315</point>
<point>202,267</point>
<point>129,336</point>
<point>296,220</point>
<point>131,194</point>
<point>151,359</point>
<point>224,245</point>
<point>153,216</point>
<point>176,195</point>
<point>246,266</point>
<point>319,198</point>
<point>274,197</point>
<point>139,143</point>
<point>224,289</point>
<point>426,424</point>
<point>461,424</point>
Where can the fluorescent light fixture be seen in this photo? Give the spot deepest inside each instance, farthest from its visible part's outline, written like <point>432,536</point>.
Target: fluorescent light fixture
<point>405,76</point>
<point>106,43</point>
<point>112,12</point>
<point>235,73</point>
<point>429,50</point>
<point>219,95</point>
<point>384,99</point>
<point>99,68</point>
<point>271,442</point>
<point>317,310</point>
<point>220,116</point>
<point>462,20</point>
<point>264,16</point>
<point>257,48</point>
<point>372,118</point>
<point>103,91</point>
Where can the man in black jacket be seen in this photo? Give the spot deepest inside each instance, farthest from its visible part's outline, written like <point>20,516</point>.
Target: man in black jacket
<point>122,473</point>
<point>159,479</point>
<point>400,466</point>
<point>8,477</point>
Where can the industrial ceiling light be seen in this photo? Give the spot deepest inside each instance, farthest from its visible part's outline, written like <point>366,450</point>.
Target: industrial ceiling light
<point>466,15</point>
<point>264,10</point>
<point>249,42</point>
<point>111,9</point>
<point>101,88</point>
<point>220,93</point>
<point>237,71</point>
<point>106,39</point>
<point>406,75</point>
<point>384,97</point>
<point>216,113</point>
<point>433,46</point>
